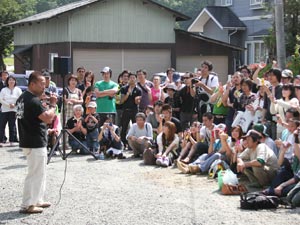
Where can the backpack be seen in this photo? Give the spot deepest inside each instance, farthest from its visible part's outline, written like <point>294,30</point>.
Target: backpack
<point>256,200</point>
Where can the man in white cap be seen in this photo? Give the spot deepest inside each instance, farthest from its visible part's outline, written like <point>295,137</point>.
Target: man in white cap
<point>105,91</point>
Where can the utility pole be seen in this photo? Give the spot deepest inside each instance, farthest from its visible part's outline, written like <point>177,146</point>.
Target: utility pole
<point>280,36</point>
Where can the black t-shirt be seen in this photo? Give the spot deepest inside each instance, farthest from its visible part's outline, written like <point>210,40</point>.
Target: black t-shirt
<point>267,101</point>
<point>32,130</point>
<point>71,123</point>
<point>187,101</point>
<point>90,124</point>
<point>130,102</point>
<point>177,124</point>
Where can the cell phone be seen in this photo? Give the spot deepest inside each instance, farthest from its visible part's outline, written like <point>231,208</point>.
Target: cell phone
<point>212,134</point>
<point>229,78</point>
<point>110,124</point>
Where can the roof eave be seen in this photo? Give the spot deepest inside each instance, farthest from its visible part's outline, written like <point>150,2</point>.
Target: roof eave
<point>211,40</point>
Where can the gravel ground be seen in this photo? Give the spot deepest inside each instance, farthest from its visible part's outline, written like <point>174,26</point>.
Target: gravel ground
<point>124,192</point>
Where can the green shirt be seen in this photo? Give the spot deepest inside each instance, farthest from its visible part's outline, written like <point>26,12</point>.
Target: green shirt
<point>219,108</point>
<point>106,104</point>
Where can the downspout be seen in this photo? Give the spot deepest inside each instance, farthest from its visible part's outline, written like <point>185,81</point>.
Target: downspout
<point>229,36</point>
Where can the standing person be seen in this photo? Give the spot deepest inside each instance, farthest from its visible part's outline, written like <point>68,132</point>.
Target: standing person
<point>187,96</point>
<point>145,86</point>
<point>8,98</point>
<point>123,79</point>
<point>156,91</point>
<point>276,92</point>
<point>105,91</point>
<point>80,75</point>
<point>173,99</point>
<point>130,99</point>
<point>72,96</point>
<point>88,81</point>
<point>50,88</point>
<point>32,125</point>
<point>231,95</point>
<point>220,108</point>
<point>4,75</point>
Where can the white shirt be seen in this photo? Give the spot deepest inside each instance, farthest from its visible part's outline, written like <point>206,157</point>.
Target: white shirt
<point>7,97</point>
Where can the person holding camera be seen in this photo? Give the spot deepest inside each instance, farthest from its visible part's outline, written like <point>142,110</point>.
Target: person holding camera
<point>91,123</point>
<point>187,96</point>
<point>109,139</point>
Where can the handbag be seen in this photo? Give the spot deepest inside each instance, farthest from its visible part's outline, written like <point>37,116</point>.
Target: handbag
<point>228,189</point>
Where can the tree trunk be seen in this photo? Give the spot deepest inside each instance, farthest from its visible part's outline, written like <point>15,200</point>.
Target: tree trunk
<point>280,36</point>
<point>2,65</point>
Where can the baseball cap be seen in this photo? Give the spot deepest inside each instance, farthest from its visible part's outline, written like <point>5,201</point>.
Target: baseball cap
<point>287,73</point>
<point>252,133</point>
<point>261,129</point>
<point>92,105</point>
<point>46,74</point>
<point>105,70</point>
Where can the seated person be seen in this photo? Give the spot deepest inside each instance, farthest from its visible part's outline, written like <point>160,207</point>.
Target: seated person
<point>154,117</point>
<point>75,127</point>
<point>289,167</point>
<point>168,144</point>
<point>219,148</point>
<point>258,162</point>
<point>262,129</point>
<point>190,137</point>
<point>110,140</point>
<point>91,123</point>
<point>166,115</point>
<point>201,147</point>
<point>140,135</point>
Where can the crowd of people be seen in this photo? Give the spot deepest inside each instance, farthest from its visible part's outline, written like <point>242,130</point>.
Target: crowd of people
<point>251,123</point>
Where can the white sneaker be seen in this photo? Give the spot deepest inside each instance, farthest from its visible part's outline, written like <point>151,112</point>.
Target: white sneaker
<point>165,162</point>
<point>159,161</point>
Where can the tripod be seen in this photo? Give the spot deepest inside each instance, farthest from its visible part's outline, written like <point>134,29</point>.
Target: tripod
<point>62,135</point>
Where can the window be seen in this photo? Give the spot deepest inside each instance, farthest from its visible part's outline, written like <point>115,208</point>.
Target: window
<point>256,52</point>
<point>256,4</point>
<point>226,2</point>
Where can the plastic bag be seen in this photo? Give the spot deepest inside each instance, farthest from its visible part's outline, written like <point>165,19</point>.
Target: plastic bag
<point>230,178</point>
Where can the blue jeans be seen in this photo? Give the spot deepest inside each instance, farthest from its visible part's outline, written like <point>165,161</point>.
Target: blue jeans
<point>92,140</point>
<point>75,145</point>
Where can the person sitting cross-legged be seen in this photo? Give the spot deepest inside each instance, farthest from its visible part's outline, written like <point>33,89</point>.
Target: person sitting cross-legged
<point>140,135</point>
<point>258,162</point>
<point>110,140</point>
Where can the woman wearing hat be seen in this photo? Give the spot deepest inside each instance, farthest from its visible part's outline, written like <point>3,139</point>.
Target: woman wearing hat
<point>173,100</point>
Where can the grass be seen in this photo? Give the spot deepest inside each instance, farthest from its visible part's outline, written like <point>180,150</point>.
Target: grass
<point>9,61</point>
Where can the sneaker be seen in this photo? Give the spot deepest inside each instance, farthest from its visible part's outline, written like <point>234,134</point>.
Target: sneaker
<point>194,169</point>
<point>183,167</point>
<point>44,204</point>
<point>165,162</point>
<point>159,161</point>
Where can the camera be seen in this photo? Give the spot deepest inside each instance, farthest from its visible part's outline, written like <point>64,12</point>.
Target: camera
<point>162,116</point>
<point>195,80</point>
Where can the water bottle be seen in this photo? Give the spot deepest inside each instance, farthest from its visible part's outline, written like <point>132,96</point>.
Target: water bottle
<point>101,156</point>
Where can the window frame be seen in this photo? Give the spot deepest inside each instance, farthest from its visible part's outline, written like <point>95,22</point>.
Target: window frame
<point>251,51</point>
<point>226,2</point>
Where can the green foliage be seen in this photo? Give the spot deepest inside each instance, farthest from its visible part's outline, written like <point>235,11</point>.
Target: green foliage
<point>293,62</point>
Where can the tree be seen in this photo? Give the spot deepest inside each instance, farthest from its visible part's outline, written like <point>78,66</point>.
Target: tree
<point>9,12</point>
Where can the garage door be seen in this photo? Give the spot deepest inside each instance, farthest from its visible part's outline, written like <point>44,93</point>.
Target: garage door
<point>153,60</point>
<point>189,63</point>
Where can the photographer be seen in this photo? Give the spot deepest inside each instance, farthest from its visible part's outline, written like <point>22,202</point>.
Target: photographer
<point>109,139</point>
<point>187,96</point>
<point>91,123</point>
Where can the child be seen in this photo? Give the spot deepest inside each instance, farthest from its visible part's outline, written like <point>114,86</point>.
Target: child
<point>91,121</point>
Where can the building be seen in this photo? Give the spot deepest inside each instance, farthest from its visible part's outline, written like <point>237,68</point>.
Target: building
<point>242,23</point>
<point>122,34</point>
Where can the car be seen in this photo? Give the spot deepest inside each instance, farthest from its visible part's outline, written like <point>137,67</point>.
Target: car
<point>163,76</point>
<point>22,81</point>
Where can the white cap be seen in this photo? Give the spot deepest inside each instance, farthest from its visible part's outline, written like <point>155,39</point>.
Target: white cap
<point>105,70</point>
